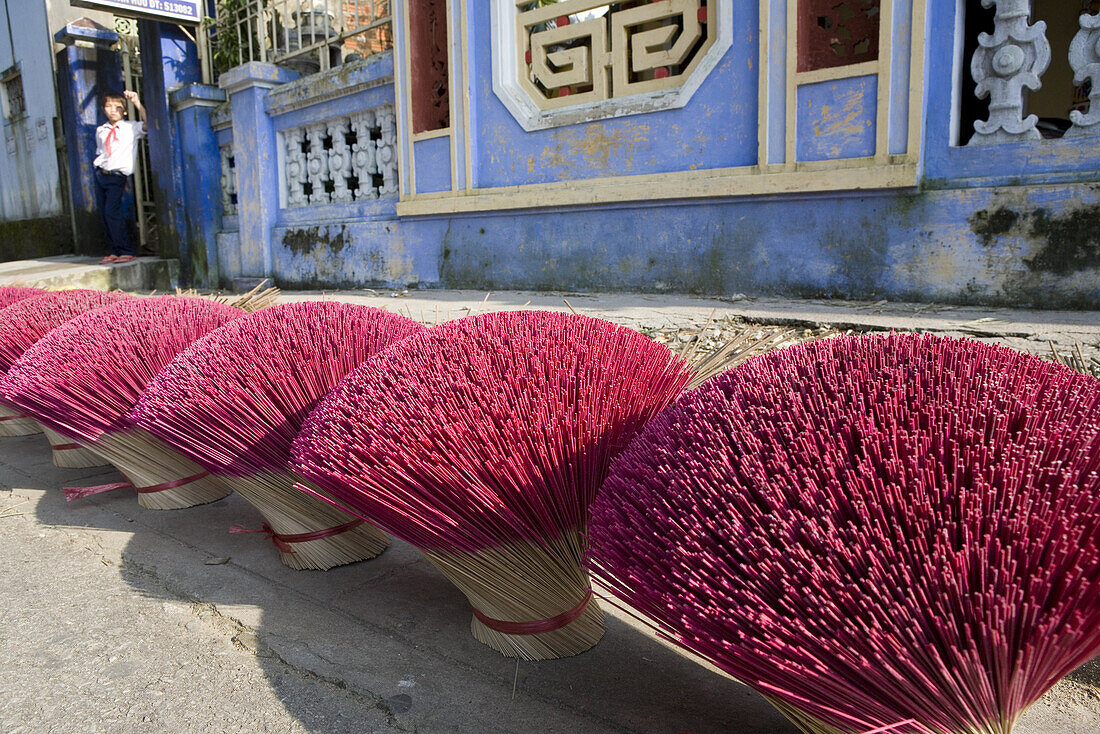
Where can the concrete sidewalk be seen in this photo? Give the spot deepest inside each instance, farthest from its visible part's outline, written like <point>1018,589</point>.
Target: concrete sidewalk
<point>117,619</point>
<point>666,317</point>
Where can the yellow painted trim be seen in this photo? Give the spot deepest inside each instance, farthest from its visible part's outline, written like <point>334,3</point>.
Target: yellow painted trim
<point>916,80</point>
<point>790,111</point>
<point>747,181</point>
<point>867,68</point>
<point>884,64</point>
<point>762,84</point>
<point>428,135</point>
<point>406,126</point>
<point>450,92</point>
<point>467,137</point>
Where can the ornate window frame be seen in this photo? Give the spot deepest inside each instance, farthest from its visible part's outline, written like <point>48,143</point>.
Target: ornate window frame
<point>508,82</point>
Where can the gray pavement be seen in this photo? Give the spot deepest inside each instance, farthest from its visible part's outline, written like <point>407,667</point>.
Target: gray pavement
<point>118,619</point>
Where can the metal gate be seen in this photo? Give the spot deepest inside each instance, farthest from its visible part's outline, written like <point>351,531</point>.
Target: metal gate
<point>144,207</point>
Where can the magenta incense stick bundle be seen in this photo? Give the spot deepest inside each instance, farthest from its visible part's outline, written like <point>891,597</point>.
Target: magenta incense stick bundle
<point>84,377</point>
<point>235,399</point>
<point>12,422</point>
<point>23,324</point>
<point>481,441</point>
<point>10,294</point>
<point>896,532</point>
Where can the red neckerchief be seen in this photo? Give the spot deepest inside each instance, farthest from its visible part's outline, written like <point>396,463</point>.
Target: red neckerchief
<point>112,135</point>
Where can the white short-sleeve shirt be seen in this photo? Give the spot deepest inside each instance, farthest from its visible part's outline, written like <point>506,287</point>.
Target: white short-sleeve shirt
<point>123,146</point>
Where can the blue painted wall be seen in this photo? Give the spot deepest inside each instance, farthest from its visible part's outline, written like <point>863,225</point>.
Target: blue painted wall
<point>717,128</point>
<point>1010,224</point>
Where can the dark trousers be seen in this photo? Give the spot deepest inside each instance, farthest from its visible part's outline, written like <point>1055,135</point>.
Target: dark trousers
<point>110,195</point>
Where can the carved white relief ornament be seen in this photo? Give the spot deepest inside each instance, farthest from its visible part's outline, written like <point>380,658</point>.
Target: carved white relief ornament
<point>1084,57</point>
<point>1014,58</point>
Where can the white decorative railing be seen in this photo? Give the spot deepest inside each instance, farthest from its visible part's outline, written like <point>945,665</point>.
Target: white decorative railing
<point>229,180</point>
<point>1014,58</point>
<point>341,160</point>
<point>1084,57</point>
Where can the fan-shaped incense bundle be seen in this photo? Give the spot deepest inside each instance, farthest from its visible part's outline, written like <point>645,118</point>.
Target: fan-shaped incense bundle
<point>898,532</point>
<point>482,441</point>
<point>12,422</point>
<point>23,324</point>
<point>85,376</point>
<point>235,399</point>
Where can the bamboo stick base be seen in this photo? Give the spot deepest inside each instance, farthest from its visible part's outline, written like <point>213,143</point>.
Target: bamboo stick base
<point>290,511</point>
<point>146,461</point>
<point>14,423</point>
<point>527,583</point>
<point>68,457</point>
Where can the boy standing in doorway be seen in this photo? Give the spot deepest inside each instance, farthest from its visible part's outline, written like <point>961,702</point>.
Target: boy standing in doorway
<point>116,153</point>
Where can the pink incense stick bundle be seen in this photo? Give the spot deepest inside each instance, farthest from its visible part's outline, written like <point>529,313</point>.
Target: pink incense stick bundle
<point>481,442</point>
<point>12,422</point>
<point>877,533</point>
<point>235,399</point>
<point>10,294</point>
<point>84,377</point>
<point>23,324</point>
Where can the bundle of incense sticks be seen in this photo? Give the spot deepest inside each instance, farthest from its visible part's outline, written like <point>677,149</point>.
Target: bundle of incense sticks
<point>235,399</point>
<point>84,377</point>
<point>12,422</point>
<point>877,533</point>
<point>10,294</point>
<point>481,441</point>
<point>27,321</point>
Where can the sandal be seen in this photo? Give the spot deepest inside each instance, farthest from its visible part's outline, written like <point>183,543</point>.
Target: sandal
<point>124,259</point>
<point>109,259</point>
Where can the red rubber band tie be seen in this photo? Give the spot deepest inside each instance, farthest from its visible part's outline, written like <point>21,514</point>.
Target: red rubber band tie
<point>66,446</point>
<point>13,418</point>
<point>537,626</point>
<point>282,542</point>
<point>173,484</point>
<point>76,493</point>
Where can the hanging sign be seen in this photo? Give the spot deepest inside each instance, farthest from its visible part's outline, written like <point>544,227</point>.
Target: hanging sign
<point>173,11</point>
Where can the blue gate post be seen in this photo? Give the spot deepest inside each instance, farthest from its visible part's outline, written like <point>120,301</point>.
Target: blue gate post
<point>256,155</point>
<point>201,179</point>
<point>85,71</point>
<point>169,61</point>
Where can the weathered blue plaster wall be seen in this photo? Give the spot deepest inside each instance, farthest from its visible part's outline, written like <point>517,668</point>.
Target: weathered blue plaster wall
<point>433,164</point>
<point>357,254</point>
<point>193,104</point>
<point>29,176</point>
<point>837,119</point>
<point>716,129</point>
<point>1013,245</point>
<point>337,245</point>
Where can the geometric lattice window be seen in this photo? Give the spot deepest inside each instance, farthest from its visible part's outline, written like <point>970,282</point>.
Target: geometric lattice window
<point>835,33</point>
<point>578,52</point>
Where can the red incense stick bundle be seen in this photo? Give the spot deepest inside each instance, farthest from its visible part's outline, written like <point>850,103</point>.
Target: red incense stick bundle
<point>874,532</point>
<point>235,399</point>
<point>84,377</point>
<point>482,441</point>
<point>23,324</point>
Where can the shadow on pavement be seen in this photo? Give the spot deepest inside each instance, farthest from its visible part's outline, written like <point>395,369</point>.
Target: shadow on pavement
<point>389,635</point>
